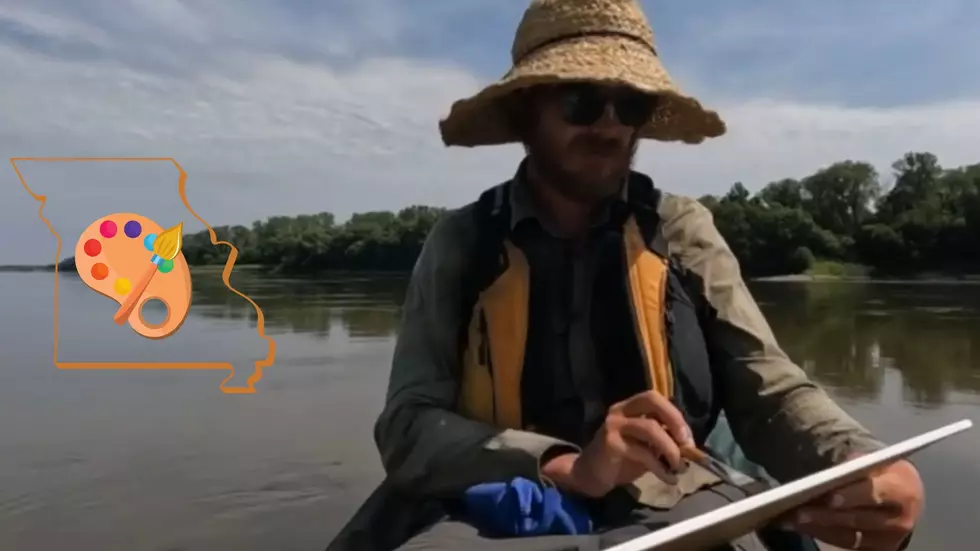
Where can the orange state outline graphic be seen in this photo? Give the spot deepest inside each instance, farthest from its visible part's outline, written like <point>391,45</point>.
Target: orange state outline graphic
<point>256,375</point>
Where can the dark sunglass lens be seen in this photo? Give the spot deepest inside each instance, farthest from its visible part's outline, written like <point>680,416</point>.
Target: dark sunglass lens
<point>582,105</point>
<point>635,109</point>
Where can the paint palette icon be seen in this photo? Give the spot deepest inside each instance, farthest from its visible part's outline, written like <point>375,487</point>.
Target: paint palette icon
<point>126,267</point>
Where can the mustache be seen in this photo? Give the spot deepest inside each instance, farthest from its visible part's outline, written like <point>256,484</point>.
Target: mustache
<point>593,143</point>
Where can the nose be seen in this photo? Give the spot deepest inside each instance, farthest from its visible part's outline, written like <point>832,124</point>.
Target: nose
<point>609,113</point>
<point>608,120</point>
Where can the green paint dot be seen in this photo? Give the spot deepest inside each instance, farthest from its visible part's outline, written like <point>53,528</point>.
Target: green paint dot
<point>166,266</point>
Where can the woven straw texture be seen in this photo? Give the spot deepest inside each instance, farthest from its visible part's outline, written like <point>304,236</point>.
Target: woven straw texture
<point>603,41</point>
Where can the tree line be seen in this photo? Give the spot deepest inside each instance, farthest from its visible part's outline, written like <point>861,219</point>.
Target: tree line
<point>842,216</point>
<point>926,221</point>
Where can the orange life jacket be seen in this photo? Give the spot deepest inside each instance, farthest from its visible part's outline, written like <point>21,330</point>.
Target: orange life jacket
<point>496,334</point>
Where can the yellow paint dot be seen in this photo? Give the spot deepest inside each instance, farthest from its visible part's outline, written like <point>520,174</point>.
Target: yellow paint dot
<point>122,286</point>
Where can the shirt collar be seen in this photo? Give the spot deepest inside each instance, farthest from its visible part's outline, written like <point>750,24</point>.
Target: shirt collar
<point>522,205</point>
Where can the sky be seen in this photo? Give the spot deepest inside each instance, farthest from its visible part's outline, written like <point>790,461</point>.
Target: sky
<point>301,106</point>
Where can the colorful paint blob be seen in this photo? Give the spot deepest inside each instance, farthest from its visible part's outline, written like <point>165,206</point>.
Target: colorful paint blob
<point>108,229</point>
<point>122,286</point>
<point>93,247</point>
<point>166,266</point>
<point>133,229</point>
<point>149,240</point>
<point>100,271</point>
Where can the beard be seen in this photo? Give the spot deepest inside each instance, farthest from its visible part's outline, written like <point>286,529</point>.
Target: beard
<point>598,166</point>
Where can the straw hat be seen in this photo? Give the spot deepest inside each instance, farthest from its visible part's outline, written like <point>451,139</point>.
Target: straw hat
<point>603,41</point>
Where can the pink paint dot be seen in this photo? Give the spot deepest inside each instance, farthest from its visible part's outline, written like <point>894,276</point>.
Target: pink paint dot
<point>108,229</point>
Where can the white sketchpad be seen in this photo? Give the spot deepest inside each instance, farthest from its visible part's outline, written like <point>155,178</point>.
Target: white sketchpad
<point>742,517</point>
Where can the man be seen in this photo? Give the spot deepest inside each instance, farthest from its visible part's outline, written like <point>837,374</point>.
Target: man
<point>578,327</point>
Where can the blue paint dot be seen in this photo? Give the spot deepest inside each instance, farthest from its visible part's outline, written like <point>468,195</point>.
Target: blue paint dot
<point>149,240</point>
<point>133,229</point>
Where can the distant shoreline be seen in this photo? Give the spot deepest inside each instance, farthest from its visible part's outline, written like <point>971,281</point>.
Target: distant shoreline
<point>924,278</point>
<point>274,270</point>
<point>26,268</point>
<point>966,279</point>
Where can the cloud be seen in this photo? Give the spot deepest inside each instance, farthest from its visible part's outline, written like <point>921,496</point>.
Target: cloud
<point>254,101</point>
<point>27,21</point>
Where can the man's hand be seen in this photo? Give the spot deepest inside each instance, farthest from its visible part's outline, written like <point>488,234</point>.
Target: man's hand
<point>874,514</point>
<point>641,434</point>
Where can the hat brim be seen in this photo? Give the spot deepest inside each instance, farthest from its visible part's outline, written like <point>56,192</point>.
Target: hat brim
<point>482,119</point>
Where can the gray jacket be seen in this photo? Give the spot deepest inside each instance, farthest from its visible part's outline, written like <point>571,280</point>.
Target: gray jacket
<point>780,418</point>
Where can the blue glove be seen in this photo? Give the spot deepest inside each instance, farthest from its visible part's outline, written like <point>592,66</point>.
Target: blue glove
<point>524,508</point>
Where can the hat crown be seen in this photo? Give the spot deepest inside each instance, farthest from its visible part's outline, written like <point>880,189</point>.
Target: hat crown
<point>548,21</point>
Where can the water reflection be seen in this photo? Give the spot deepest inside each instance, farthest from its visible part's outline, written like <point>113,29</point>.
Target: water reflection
<point>367,306</point>
<point>845,335</point>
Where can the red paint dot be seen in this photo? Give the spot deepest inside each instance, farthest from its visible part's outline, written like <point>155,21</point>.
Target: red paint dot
<point>93,247</point>
<point>100,271</point>
<point>108,229</point>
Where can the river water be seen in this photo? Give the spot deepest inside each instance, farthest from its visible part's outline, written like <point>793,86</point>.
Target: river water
<point>164,461</point>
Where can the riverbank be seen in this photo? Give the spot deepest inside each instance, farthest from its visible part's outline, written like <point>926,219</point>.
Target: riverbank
<point>22,269</point>
<point>821,271</point>
<point>828,271</point>
<point>68,267</point>
<point>924,280</point>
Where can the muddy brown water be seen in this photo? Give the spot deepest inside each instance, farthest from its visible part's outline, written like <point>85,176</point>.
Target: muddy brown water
<point>162,460</point>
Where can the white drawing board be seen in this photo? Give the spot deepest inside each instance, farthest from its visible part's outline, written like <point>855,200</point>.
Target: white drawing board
<point>743,517</point>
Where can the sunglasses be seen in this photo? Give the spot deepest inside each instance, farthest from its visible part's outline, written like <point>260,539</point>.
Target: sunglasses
<point>583,104</point>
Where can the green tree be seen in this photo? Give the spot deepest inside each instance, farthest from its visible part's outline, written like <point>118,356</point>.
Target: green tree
<point>928,220</point>
<point>840,197</point>
<point>787,193</point>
